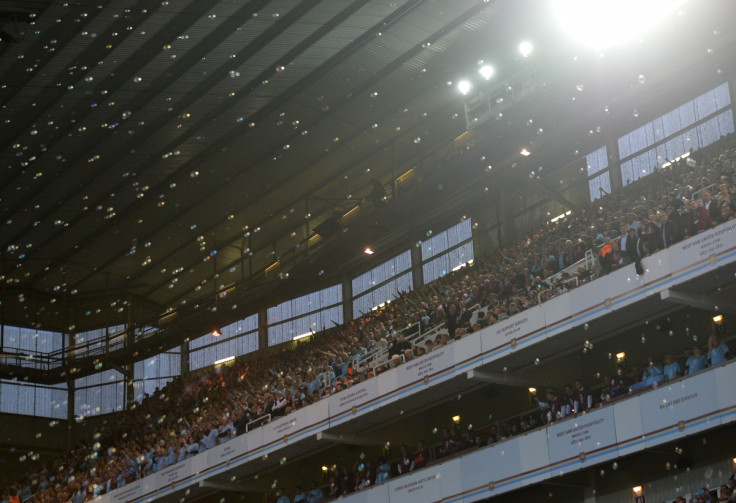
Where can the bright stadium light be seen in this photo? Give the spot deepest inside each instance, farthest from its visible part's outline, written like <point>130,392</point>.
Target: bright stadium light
<point>606,23</point>
<point>464,86</point>
<point>486,71</point>
<point>525,48</point>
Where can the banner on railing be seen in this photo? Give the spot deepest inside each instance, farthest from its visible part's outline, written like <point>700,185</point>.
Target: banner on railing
<point>430,368</point>
<point>352,401</point>
<point>521,329</point>
<point>587,438</point>
<point>673,406</point>
<point>703,246</point>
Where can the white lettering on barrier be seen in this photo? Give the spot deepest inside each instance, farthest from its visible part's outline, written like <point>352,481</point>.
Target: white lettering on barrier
<point>355,396</point>
<point>586,433</point>
<point>426,366</point>
<point>703,245</point>
<point>126,493</point>
<point>414,485</point>
<point>173,474</point>
<point>512,328</point>
<point>679,402</point>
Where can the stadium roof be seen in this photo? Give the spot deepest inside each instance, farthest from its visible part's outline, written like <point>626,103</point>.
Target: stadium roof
<point>208,158</point>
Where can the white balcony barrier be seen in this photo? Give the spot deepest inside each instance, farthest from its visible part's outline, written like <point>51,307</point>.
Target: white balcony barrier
<point>628,426</point>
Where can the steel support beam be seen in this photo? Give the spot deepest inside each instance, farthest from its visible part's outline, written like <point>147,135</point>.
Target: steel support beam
<point>348,439</point>
<point>226,486</point>
<point>495,378</point>
<point>719,303</point>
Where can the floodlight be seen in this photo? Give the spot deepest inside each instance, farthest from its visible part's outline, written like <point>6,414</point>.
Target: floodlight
<point>486,71</point>
<point>525,48</point>
<point>464,86</point>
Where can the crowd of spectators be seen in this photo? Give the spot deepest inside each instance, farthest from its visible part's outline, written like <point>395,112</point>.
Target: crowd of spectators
<point>198,411</point>
<point>725,493</point>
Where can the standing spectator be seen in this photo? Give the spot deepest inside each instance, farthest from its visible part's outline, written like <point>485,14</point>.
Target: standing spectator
<point>384,471</point>
<point>718,352</point>
<point>669,230</point>
<point>404,465</point>
<point>698,218</point>
<point>421,456</point>
<point>710,204</point>
<point>281,496</point>
<point>300,496</point>
<point>583,397</point>
<point>347,481</point>
<point>568,400</point>
<point>315,494</point>
<point>671,368</point>
<point>552,408</point>
<point>696,361</point>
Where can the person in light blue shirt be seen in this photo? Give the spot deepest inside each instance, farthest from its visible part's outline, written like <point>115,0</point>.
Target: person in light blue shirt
<point>696,361</point>
<point>671,368</point>
<point>315,494</point>
<point>653,374</point>
<point>282,497</point>
<point>211,438</point>
<point>718,352</point>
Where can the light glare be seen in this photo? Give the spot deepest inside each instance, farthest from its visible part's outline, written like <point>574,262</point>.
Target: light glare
<point>605,23</point>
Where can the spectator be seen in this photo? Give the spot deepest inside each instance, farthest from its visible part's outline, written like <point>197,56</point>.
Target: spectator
<point>384,471</point>
<point>552,409</point>
<point>671,368</point>
<point>300,496</point>
<point>405,463</point>
<point>698,218</point>
<point>281,496</point>
<point>718,352</point>
<point>583,397</point>
<point>421,457</point>
<point>696,362</point>
<point>315,494</point>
